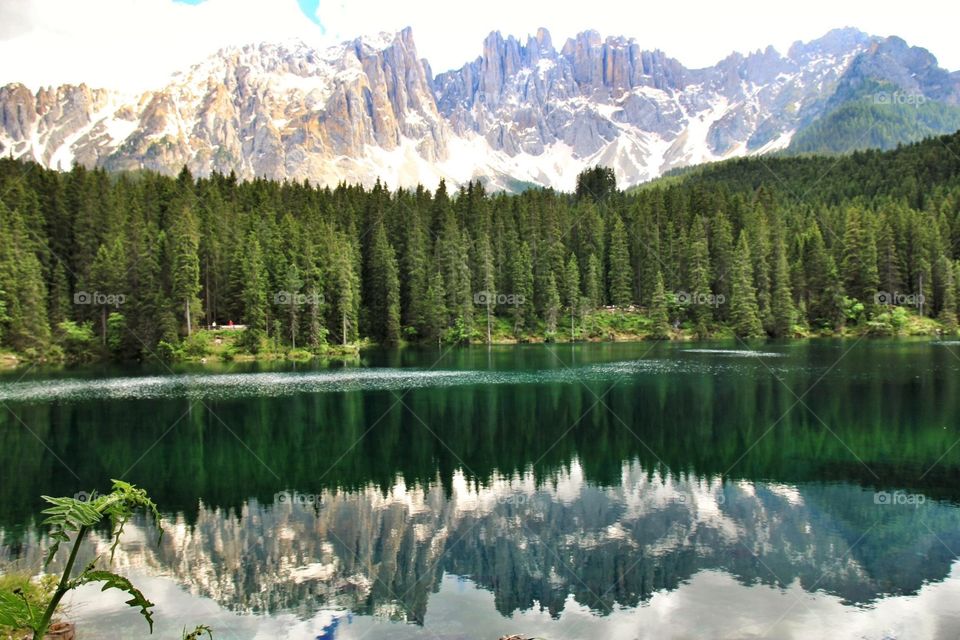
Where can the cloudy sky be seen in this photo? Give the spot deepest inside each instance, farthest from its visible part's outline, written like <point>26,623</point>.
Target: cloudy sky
<point>137,44</point>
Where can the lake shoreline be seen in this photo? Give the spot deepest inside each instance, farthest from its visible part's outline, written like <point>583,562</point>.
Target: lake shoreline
<point>221,345</point>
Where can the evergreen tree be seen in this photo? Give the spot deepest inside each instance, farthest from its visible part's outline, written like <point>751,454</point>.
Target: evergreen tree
<point>453,261</point>
<point>521,284</point>
<point>698,277</point>
<point>594,286</point>
<point>824,295</point>
<point>116,332</point>
<point>888,261</point>
<point>58,308</point>
<point>859,259</point>
<point>597,183</point>
<point>621,274</point>
<point>744,311</point>
<point>781,303</point>
<point>87,223</point>
<point>649,233</point>
<point>149,303</point>
<point>659,314</point>
<point>435,319</point>
<point>384,303</point>
<point>721,245</point>
<point>292,284</point>
<point>487,283</point>
<point>759,238</point>
<point>552,309</point>
<point>946,293</point>
<point>185,267</point>
<point>4,318</point>
<point>211,222</point>
<point>21,278</point>
<point>105,287</point>
<point>414,267</point>
<point>254,294</point>
<point>313,289</point>
<point>956,282</point>
<point>924,286</point>
<point>571,289</point>
<point>345,287</point>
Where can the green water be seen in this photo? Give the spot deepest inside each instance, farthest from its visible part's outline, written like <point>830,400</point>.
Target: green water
<point>608,491</point>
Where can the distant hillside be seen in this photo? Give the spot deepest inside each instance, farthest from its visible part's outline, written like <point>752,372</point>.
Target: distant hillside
<point>877,116</point>
<point>912,173</point>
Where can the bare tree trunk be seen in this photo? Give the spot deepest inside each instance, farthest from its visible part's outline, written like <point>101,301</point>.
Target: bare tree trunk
<point>488,323</point>
<point>206,292</point>
<point>293,328</point>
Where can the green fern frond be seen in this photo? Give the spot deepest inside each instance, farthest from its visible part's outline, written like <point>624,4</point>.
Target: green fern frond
<point>114,581</point>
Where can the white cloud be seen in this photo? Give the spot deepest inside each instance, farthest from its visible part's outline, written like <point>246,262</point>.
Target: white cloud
<point>136,44</point>
<point>133,44</point>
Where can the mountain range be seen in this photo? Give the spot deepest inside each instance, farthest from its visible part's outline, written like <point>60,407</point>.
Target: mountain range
<point>523,113</point>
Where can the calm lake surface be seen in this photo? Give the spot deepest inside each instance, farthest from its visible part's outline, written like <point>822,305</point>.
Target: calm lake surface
<point>804,490</point>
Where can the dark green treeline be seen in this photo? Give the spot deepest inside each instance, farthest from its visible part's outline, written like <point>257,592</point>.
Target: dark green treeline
<point>763,246</point>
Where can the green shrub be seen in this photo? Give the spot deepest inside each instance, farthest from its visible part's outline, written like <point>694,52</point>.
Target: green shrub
<point>888,323</point>
<point>195,346</point>
<point>852,310</point>
<point>166,351</point>
<point>116,332</point>
<point>77,340</point>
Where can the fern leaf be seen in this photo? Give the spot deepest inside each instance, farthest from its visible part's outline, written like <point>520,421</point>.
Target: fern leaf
<point>113,581</point>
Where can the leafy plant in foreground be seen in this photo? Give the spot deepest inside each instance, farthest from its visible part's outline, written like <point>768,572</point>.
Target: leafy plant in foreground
<point>69,516</point>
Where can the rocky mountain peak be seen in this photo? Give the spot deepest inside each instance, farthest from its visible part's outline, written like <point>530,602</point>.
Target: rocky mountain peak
<point>544,40</point>
<point>521,111</point>
<point>835,43</point>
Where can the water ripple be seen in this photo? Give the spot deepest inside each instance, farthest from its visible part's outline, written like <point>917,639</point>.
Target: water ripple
<point>225,386</point>
<point>736,353</point>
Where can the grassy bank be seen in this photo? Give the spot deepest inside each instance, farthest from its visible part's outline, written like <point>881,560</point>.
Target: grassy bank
<point>227,345</point>
<point>618,325</point>
<point>204,346</point>
<point>601,325</point>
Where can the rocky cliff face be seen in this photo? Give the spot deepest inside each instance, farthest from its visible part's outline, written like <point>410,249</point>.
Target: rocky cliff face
<point>639,111</point>
<point>277,111</point>
<point>521,112</point>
